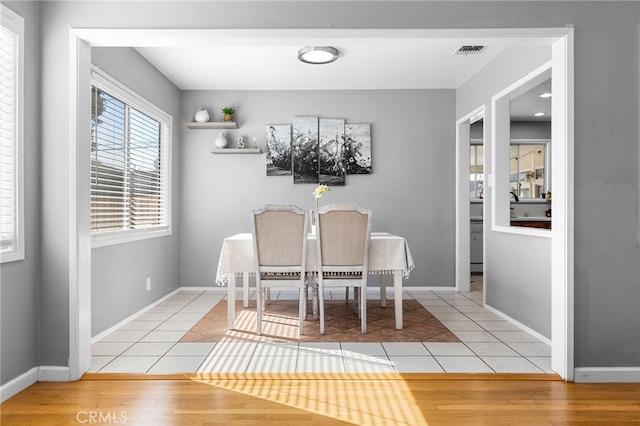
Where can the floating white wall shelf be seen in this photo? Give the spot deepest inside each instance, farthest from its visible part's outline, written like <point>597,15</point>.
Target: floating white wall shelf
<point>235,151</point>
<point>212,125</point>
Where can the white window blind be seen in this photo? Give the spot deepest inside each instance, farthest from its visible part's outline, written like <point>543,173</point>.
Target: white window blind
<point>11,204</point>
<point>129,164</point>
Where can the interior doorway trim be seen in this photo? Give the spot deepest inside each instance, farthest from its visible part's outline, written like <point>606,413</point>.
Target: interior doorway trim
<point>80,253</point>
<point>463,214</point>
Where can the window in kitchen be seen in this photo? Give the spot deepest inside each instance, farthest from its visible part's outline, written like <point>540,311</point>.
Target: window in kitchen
<point>527,165</point>
<point>130,148</point>
<point>11,136</point>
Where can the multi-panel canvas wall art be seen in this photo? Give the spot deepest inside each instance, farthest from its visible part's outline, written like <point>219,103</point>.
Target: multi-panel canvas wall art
<point>358,149</point>
<point>278,150</point>
<point>305,150</point>
<point>318,150</point>
<point>331,169</point>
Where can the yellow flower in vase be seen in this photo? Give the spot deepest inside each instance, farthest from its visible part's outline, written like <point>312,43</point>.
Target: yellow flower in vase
<point>317,193</point>
<point>321,189</point>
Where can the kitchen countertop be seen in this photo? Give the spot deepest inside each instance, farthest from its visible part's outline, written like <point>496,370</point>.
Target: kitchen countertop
<point>531,219</point>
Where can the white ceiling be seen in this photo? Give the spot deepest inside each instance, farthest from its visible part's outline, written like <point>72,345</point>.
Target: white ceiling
<point>364,63</point>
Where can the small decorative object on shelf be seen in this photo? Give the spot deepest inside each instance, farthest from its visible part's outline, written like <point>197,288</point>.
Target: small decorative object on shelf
<point>202,116</point>
<point>255,142</point>
<point>240,142</point>
<point>228,113</point>
<point>221,140</point>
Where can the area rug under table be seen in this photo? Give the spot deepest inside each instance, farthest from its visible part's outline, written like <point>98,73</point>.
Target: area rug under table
<point>280,323</point>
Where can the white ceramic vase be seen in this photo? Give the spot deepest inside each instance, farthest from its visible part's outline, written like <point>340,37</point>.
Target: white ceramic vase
<point>221,140</point>
<point>202,116</point>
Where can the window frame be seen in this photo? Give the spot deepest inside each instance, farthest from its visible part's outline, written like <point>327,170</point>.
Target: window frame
<point>118,90</point>
<point>15,23</point>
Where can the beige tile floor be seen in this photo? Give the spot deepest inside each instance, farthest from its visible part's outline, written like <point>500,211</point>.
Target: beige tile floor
<point>489,344</point>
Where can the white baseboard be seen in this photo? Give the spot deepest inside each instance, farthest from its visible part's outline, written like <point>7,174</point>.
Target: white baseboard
<point>147,308</point>
<point>606,375</point>
<point>519,325</point>
<point>113,328</point>
<point>18,384</point>
<point>216,289</point>
<point>53,373</point>
<point>417,289</point>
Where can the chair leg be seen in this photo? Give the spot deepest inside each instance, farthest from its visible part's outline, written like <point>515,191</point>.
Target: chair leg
<point>363,309</point>
<point>302,302</point>
<point>259,309</point>
<point>346,296</point>
<point>314,297</point>
<point>305,298</point>
<point>321,303</point>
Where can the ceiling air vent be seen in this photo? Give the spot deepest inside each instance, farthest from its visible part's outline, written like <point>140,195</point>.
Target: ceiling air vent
<point>469,50</point>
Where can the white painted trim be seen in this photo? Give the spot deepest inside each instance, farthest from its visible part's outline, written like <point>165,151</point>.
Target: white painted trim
<point>607,375</point>
<point>154,37</point>
<point>562,241</point>
<point>221,290</point>
<point>521,230</point>
<point>17,385</point>
<point>79,261</point>
<point>53,373</point>
<point>418,289</point>
<point>103,334</point>
<point>15,23</point>
<point>518,324</point>
<point>463,232</point>
<point>147,308</point>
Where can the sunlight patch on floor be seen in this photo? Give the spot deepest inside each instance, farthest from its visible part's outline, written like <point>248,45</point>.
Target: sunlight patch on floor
<point>355,400</point>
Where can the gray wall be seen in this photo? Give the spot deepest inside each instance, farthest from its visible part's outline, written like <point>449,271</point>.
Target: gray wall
<point>517,268</point>
<point>19,280</point>
<point>119,272</point>
<point>607,254</point>
<point>411,152</point>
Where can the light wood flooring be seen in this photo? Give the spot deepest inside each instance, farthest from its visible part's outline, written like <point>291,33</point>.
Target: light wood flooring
<point>323,399</point>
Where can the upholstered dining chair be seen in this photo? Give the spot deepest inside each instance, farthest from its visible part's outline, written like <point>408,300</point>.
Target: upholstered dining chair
<point>280,250</point>
<point>343,235</point>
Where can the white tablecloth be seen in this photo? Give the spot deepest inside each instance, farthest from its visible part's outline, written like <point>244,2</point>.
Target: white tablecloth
<point>388,254</point>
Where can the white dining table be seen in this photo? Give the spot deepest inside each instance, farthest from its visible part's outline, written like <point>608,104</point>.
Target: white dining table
<point>388,255</point>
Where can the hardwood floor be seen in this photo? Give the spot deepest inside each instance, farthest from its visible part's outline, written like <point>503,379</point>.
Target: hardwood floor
<point>323,399</point>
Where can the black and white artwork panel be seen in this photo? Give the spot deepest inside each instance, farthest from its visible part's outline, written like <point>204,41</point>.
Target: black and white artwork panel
<point>358,149</point>
<point>305,150</point>
<point>331,154</point>
<point>278,150</point>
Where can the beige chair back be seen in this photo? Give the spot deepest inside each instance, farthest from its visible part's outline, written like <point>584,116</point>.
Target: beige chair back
<point>344,235</point>
<point>280,235</point>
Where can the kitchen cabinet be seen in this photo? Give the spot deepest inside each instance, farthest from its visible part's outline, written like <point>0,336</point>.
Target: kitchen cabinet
<point>543,224</point>
<point>476,246</point>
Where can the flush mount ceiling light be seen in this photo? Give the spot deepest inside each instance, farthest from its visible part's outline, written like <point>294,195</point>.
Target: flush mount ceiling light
<point>318,54</point>
<point>545,95</point>
<point>539,114</point>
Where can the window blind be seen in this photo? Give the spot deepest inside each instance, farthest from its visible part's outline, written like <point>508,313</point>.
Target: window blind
<point>129,165</point>
<point>8,141</point>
